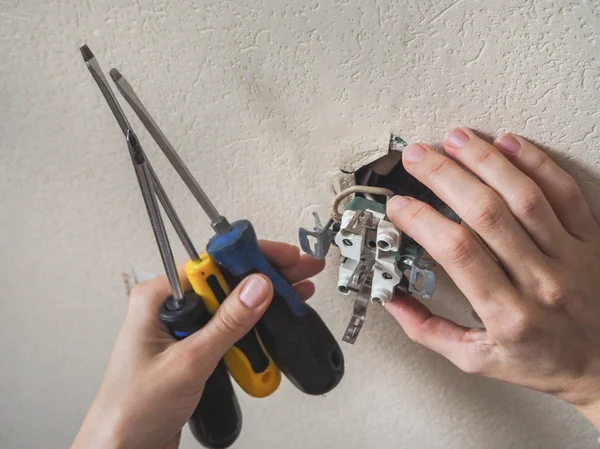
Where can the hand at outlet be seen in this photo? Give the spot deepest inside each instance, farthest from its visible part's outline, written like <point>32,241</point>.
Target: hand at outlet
<point>531,269</point>
<point>153,382</point>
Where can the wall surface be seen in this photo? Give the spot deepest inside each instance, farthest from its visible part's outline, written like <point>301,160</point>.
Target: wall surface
<point>263,99</point>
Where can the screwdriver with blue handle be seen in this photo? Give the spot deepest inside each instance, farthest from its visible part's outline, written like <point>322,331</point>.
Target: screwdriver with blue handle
<point>292,332</point>
<point>216,422</point>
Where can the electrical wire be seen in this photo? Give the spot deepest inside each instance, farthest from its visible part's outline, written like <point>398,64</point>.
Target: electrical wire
<point>335,213</point>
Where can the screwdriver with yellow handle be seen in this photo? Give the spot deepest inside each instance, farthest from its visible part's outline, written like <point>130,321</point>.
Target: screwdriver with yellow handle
<point>247,361</point>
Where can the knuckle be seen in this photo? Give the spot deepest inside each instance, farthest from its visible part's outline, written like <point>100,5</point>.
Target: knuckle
<point>519,327</point>
<point>539,161</point>
<point>439,167</point>
<point>489,214</point>
<point>415,335</point>
<point>459,247</point>
<point>571,191</point>
<point>553,291</point>
<point>228,321</point>
<point>484,154</point>
<point>529,202</point>
<point>416,213</point>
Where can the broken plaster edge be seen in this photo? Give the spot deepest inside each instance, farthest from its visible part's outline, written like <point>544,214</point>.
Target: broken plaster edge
<point>360,156</point>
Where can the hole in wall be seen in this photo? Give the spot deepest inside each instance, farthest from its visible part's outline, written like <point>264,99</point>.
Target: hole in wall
<point>388,172</point>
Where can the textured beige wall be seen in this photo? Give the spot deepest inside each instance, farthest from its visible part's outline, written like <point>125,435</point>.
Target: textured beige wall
<point>263,99</point>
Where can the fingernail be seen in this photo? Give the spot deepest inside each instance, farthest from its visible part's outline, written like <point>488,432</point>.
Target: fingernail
<point>414,153</point>
<point>507,143</point>
<point>456,138</point>
<point>397,203</point>
<point>255,292</point>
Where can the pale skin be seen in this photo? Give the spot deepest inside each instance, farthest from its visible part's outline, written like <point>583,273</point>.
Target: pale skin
<point>529,265</point>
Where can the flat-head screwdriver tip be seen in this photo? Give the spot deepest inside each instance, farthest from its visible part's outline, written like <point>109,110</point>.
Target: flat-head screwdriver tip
<point>86,53</point>
<point>115,75</point>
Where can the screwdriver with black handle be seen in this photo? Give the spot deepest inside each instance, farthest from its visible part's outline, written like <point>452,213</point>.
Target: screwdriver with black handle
<point>292,332</point>
<point>248,361</point>
<point>217,420</point>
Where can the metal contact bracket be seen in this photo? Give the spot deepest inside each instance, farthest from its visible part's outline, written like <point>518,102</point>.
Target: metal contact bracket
<point>422,268</point>
<point>323,237</point>
<point>361,302</point>
<point>358,222</point>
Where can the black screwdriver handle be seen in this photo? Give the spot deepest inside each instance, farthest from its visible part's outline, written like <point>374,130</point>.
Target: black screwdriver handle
<point>216,423</point>
<point>217,420</point>
<point>302,347</point>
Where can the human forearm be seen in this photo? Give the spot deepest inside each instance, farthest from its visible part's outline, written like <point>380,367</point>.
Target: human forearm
<point>92,436</point>
<point>100,429</point>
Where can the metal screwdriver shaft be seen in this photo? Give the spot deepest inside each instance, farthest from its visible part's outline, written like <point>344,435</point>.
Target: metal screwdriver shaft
<point>219,223</point>
<point>172,215</point>
<point>94,68</point>
<point>162,240</point>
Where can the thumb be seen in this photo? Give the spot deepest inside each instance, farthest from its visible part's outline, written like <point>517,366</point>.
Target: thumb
<point>233,319</point>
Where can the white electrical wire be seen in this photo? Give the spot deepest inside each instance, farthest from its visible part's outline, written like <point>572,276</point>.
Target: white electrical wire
<point>335,213</point>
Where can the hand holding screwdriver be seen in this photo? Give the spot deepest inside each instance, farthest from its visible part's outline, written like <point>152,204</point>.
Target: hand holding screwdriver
<point>247,361</point>
<point>216,421</point>
<point>153,382</point>
<point>293,333</point>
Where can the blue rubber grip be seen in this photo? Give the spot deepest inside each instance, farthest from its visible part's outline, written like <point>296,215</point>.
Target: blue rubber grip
<point>239,253</point>
<point>182,335</point>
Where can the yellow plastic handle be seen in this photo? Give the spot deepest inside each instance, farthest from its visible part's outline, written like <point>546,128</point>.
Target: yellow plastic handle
<point>248,361</point>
